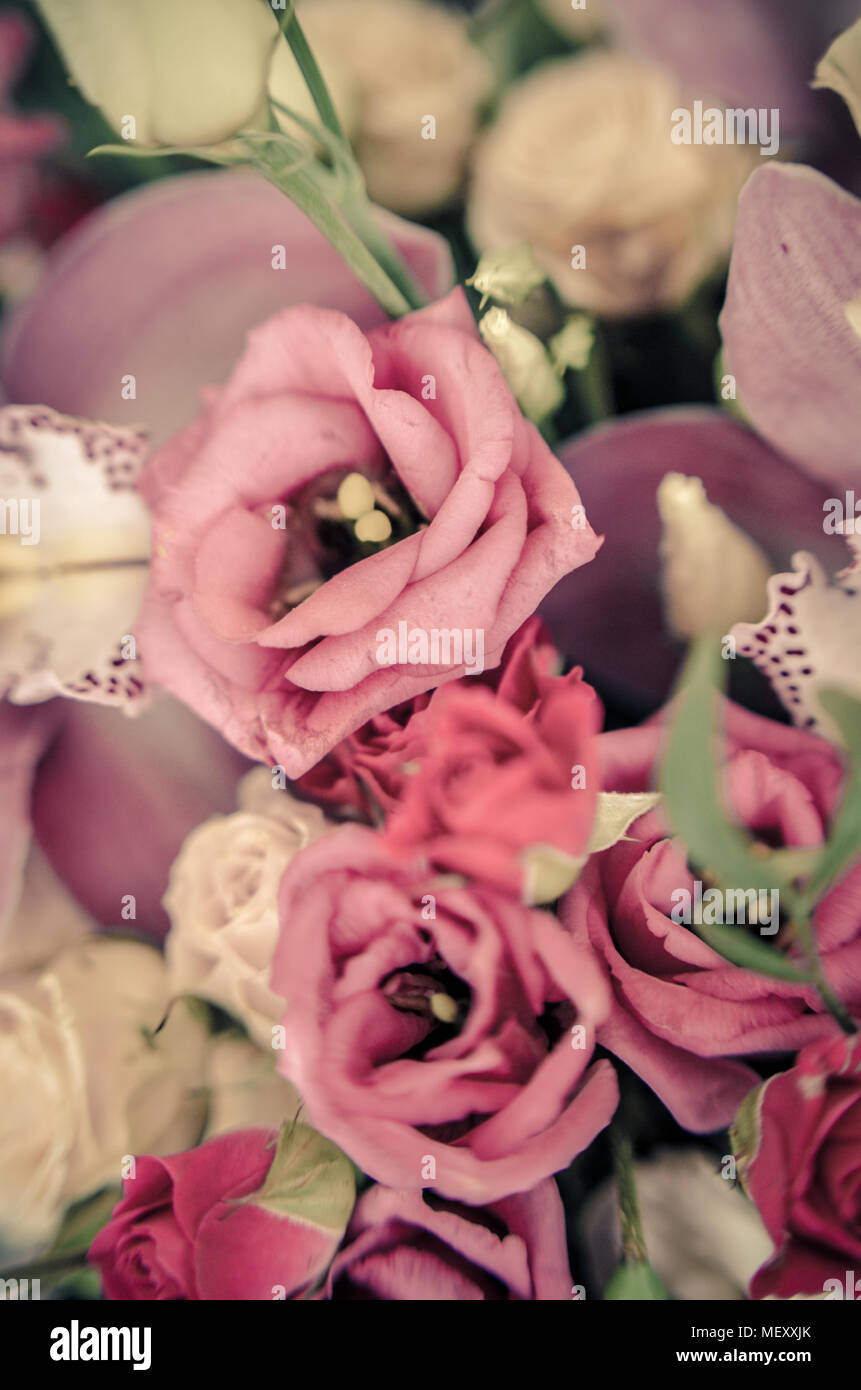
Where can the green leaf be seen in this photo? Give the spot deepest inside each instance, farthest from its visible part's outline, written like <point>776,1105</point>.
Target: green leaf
<point>744,1136</point>
<point>634,1282</point>
<point>844,842</point>
<point>741,948</point>
<point>310,1180</point>
<point>83,1221</point>
<point>209,152</point>
<point>691,783</point>
<point>314,189</point>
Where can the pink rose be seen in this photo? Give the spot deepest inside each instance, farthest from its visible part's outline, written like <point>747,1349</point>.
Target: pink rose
<point>197,1226</point>
<point>265,611</point>
<point>679,1009</point>
<point>371,768</point>
<point>804,1173</point>
<point>406,1246</point>
<point>441,1035</point>
<point>494,784</point>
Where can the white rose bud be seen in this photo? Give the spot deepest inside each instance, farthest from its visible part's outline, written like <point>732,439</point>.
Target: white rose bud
<point>87,1080</point>
<point>222,900</point>
<point>580,163</point>
<point>188,72</point>
<point>508,276</point>
<point>525,364</point>
<point>408,85</point>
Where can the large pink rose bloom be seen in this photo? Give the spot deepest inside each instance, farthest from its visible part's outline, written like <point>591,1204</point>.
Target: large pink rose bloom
<point>265,621</point>
<point>680,1011</point>
<point>440,1034</point>
<point>805,1173</point>
<point>401,1247</point>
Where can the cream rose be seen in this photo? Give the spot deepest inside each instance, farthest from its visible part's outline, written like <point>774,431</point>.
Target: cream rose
<point>87,1081</point>
<point>409,86</point>
<point>705,1239</point>
<point>245,1091</point>
<point>222,901</point>
<point>580,155</point>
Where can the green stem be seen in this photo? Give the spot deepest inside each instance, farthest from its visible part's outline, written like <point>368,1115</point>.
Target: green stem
<point>293,33</point>
<point>353,201</point>
<point>312,190</point>
<point>633,1241</point>
<point>594,390</point>
<point>361,216</point>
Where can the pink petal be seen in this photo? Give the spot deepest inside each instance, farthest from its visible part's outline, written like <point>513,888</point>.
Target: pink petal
<point>796,263</point>
<point>202,247</point>
<point>115,798</point>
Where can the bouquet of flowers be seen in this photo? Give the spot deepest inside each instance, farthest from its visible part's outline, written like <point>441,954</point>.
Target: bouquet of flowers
<point>430,643</point>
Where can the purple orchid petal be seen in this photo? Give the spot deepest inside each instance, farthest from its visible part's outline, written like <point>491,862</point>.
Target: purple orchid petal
<point>115,798</point>
<point>795,266</point>
<point>759,53</point>
<point>164,283</point>
<point>609,615</point>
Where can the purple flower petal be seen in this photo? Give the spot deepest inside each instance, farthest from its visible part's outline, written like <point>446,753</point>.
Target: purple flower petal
<point>795,265</point>
<point>609,615</point>
<point>164,283</point>
<point>741,52</point>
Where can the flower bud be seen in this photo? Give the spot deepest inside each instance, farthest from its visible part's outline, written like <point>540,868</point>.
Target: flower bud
<point>525,363</point>
<point>186,72</point>
<point>509,276</point>
<point>840,70</point>
<point>713,574</point>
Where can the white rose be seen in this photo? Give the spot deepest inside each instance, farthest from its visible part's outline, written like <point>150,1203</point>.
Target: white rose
<point>190,72</point>
<point>392,65</point>
<point>222,900</point>
<point>245,1090</point>
<point>704,1238</point>
<point>87,1080</point>
<point>580,155</point>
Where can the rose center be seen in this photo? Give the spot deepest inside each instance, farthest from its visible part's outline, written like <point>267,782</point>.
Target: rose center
<point>334,521</point>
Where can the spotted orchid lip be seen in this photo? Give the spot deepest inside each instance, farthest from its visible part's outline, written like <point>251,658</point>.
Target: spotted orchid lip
<point>73,597</point>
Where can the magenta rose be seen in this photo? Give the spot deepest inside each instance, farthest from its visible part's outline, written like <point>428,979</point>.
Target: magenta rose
<point>411,1246</point>
<point>440,1034</point>
<point>371,768</point>
<point>270,611</point>
<point>801,1164</point>
<point>680,1012</point>
<point>217,1222</point>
